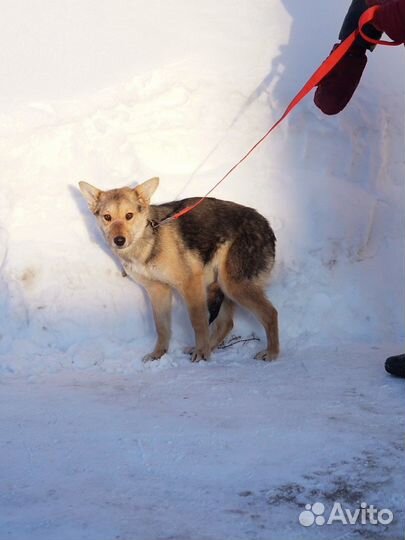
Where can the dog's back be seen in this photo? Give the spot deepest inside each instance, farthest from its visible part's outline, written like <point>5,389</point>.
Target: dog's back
<point>214,223</point>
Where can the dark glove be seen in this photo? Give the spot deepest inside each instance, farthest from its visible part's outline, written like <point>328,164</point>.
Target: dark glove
<point>336,89</point>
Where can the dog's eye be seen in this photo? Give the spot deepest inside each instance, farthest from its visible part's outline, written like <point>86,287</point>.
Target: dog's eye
<point>107,217</point>
<point>129,216</point>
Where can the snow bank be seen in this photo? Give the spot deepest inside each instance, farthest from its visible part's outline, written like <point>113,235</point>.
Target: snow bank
<point>118,92</point>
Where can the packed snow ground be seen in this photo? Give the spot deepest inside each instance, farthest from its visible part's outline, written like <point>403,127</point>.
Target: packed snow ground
<point>94,444</point>
<point>230,449</point>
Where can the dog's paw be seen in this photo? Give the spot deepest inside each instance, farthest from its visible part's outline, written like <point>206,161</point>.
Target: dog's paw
<point>197,354</point>
<point>154,355</point>
<point>266,355</point>
<point>200,354</point>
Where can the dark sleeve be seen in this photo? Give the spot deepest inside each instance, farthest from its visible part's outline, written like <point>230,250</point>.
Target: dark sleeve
<point>351,22</point>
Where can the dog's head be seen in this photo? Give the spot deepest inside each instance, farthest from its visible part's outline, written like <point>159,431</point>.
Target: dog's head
<point>121,213</point>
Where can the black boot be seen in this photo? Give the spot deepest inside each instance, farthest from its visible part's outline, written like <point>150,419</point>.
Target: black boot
<point>396,365</point>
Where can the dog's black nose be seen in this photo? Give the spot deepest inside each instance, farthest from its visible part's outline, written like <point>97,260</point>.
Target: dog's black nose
<point>119,241</point>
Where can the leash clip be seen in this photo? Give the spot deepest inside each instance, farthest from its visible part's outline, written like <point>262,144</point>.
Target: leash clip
<point>156,224</point>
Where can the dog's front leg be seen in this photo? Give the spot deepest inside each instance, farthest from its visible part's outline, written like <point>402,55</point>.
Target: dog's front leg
<point>195,296</point>
<point>161,298</point>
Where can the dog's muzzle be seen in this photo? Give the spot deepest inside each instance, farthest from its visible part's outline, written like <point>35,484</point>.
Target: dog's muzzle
<point>119,241</point>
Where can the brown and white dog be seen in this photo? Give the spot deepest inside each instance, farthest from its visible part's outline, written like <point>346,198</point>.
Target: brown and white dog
<point>218,255</point>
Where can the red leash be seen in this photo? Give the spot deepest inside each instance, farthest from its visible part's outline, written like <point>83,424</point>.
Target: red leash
<point>327,66</point>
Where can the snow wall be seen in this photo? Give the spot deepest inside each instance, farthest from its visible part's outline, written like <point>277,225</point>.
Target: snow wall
<point>117,92</point>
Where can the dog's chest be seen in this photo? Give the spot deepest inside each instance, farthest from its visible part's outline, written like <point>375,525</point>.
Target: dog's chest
<point>135,269</point>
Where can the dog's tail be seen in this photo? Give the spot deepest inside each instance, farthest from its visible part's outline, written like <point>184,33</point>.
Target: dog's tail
<point>215,297</point>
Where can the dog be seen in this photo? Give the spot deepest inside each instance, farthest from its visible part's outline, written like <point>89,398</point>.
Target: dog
<point>218,255</point>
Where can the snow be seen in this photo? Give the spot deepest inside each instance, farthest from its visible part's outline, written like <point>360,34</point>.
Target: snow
<point>98,444</point>
<point>230,449</point>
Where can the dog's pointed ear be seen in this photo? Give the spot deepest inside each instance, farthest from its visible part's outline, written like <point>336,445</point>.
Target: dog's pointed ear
<point>91,194</point>
<point>145,191</point>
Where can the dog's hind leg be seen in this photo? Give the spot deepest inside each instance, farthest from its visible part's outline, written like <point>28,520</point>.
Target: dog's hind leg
<point>215,297</point>
<point>251,296</point>
<point>161,298</point>
<point>223,324</point>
